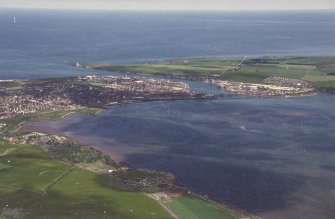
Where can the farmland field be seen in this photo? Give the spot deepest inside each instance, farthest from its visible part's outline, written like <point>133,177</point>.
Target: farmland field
<point>35,186</point>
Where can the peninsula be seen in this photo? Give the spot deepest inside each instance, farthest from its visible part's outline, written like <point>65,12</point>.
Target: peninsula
<point>264,76</point>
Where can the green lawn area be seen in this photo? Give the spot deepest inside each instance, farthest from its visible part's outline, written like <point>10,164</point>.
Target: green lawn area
<point>4,166</point>
<point>71,192</point>
<point>6,151</point>
<point>319,70</point>
<point>186,207</point>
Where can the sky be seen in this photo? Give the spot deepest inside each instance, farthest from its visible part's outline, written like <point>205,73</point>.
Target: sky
<point>173,4</point>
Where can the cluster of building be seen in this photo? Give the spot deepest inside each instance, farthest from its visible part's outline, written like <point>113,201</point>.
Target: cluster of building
<point>278,87</point>
<point>289,82</point>
<point>89,91</point>
<point>2,126</point>
<point>137,84</point>
<point>24,104</point>
<point>31,138</point>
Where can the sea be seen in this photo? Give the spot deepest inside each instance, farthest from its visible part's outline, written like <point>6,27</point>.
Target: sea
<point>273,158</point>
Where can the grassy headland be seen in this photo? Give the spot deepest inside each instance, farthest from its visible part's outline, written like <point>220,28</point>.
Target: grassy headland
<point>32,185</point>
<point>318,70</point>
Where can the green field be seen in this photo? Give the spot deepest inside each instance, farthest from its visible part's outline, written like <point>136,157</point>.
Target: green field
<point>33,185</point>
<point>4,166</point>
<point>190,207</point>
<point>319,70</point>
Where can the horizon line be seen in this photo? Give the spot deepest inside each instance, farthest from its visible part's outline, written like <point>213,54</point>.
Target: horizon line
<point>168,10</point>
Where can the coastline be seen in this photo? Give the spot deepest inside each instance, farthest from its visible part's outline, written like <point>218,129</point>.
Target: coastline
<point>29,127</point>
<point>119,161</point>
<point>84,110</point>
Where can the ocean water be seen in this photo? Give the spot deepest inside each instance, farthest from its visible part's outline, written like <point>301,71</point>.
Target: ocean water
<point>44,43</point>
<point>270,157</point>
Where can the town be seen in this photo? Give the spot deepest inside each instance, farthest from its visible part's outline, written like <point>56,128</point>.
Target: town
<point>270,87</point>
<point>137,84</point>
<point>89,91</point>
